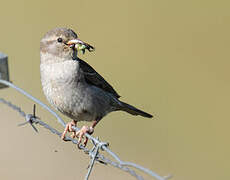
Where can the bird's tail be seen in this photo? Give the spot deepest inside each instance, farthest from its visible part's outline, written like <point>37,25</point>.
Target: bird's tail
<point>132,110</point>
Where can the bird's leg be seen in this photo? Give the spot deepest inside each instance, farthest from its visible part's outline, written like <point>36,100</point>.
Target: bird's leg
<point>85,129</point>
<point>68,128</point>
<point>92,127</point>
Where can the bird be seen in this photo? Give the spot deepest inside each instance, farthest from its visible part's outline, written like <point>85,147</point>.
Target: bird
<point>73,87</point>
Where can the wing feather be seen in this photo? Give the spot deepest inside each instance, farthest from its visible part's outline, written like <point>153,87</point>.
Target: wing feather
<point>94,78</point>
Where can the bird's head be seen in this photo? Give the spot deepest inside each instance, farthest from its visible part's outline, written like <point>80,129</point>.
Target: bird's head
<point>63,43</point>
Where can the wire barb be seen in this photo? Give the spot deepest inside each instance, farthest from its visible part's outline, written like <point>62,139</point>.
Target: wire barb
<point>29,119</point>
<point>93,154</point>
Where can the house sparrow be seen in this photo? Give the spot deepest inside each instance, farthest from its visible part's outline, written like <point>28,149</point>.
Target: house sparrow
<point>73,87</point>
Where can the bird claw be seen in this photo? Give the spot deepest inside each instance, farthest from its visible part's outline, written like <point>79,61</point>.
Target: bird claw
<point>68,128</point>
<point>81,133</point>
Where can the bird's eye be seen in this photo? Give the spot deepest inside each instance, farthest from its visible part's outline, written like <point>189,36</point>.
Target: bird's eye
<point>59,40</point>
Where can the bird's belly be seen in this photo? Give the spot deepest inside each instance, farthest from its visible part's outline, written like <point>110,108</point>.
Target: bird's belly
<point>78,104</point>
<point>68,101</point>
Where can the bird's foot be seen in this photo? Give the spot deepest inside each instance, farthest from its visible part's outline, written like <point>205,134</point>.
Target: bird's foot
<point>82,132</point>
<point>68,128</point>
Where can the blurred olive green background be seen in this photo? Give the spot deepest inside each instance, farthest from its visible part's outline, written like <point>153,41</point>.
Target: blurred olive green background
<point>170,58</point>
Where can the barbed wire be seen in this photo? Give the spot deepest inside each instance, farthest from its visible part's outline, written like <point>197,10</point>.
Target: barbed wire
<point>94,154</point>
<point>32,119</point>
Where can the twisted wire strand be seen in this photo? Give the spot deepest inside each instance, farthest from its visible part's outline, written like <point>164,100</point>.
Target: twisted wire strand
<point>22,113</point>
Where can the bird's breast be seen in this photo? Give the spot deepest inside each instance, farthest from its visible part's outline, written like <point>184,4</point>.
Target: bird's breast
<point>59,80</point>
<point>59,74</point>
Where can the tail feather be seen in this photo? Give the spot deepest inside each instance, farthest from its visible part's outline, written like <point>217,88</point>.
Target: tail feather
<point>134,111</point>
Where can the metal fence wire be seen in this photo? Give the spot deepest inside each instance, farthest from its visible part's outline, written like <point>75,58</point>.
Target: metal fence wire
<point>98,145</point>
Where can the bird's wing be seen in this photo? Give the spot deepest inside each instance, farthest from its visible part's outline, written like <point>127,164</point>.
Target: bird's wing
<point>92,77</point>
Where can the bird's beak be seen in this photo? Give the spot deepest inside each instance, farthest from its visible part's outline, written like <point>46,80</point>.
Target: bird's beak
<point>80,45</point>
